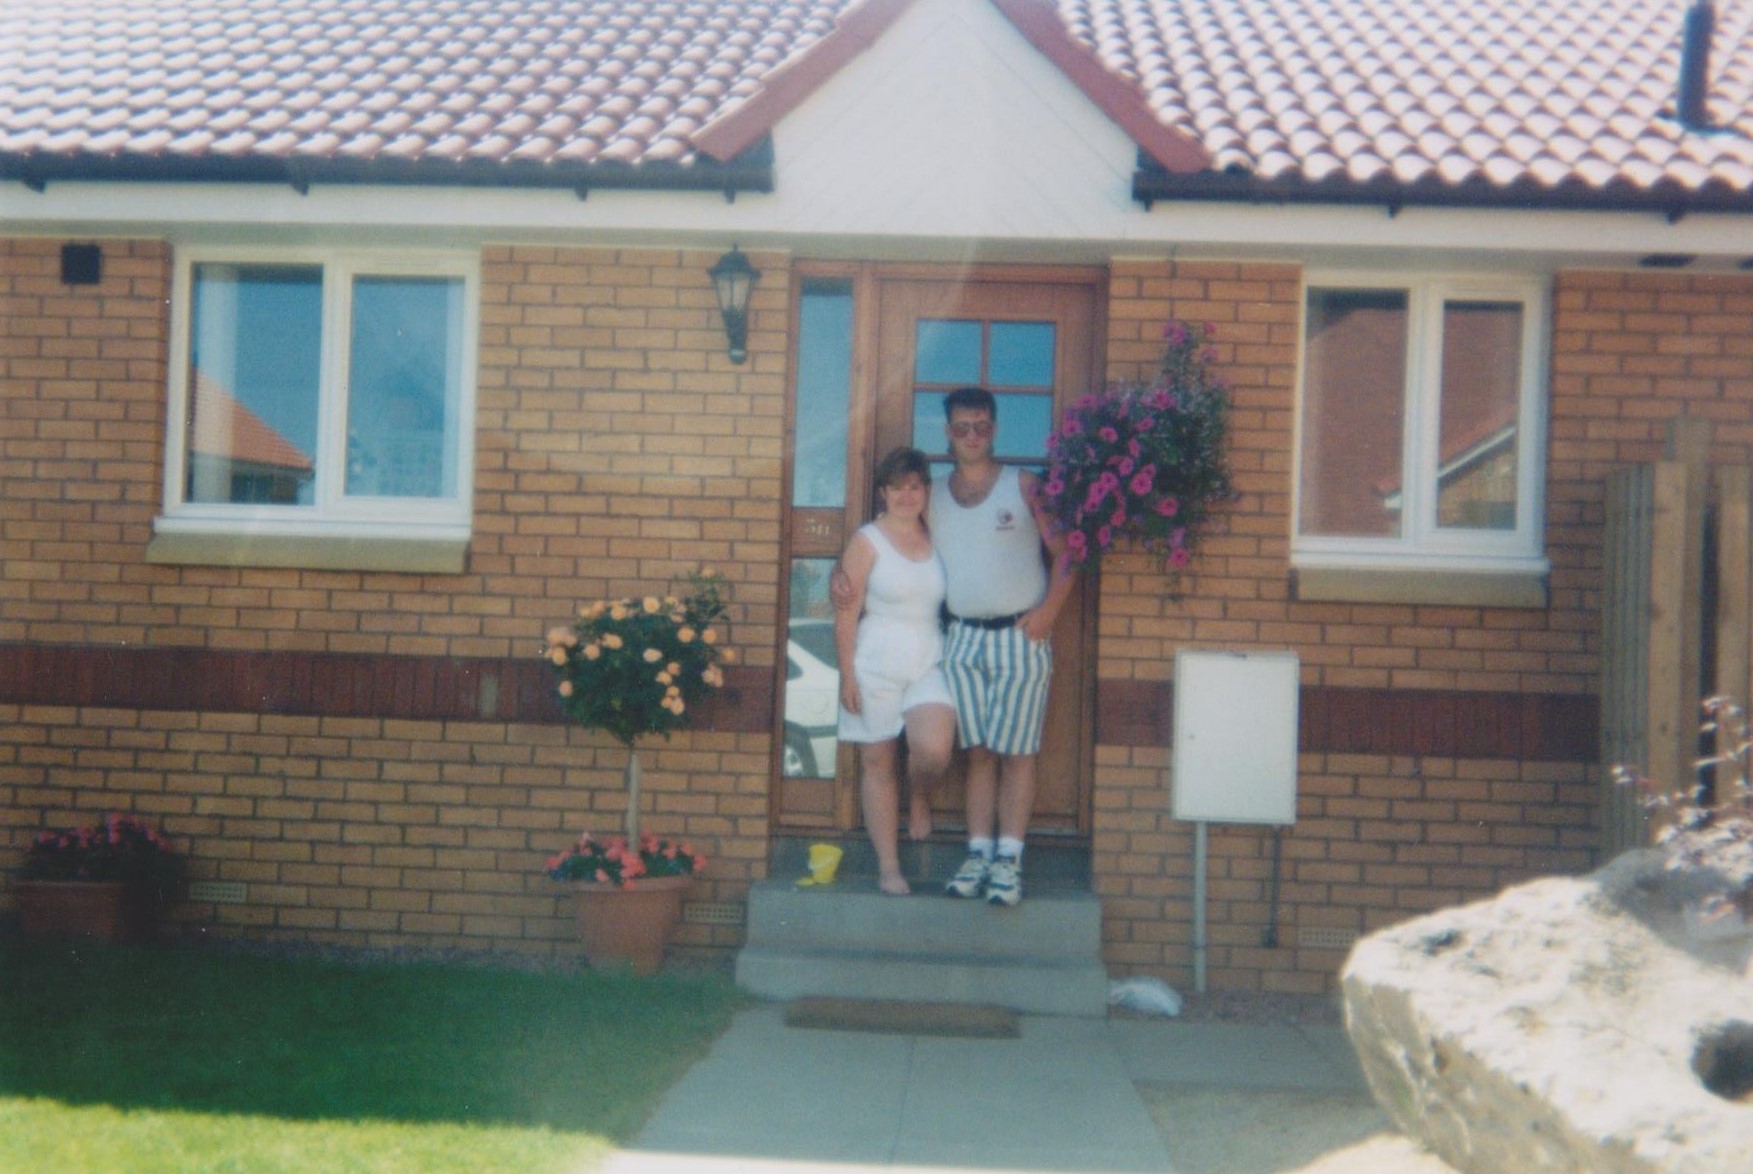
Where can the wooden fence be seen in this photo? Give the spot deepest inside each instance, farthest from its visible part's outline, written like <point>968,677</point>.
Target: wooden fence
<point>1677,586</point>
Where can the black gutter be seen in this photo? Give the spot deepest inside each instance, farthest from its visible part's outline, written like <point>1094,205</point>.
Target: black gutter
<point>1152,184</point>
<point>752,171</point>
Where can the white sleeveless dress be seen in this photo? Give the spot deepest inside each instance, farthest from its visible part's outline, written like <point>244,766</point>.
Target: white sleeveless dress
<point>899,651</point>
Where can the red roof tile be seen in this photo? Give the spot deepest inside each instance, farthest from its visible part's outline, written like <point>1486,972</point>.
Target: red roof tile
<point>1523,96</point>
<point>225,427</point>
<point>382,83</point>
<point>1524,101</point>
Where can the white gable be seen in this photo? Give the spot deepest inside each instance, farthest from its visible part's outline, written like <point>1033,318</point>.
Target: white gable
<point>951,125</point>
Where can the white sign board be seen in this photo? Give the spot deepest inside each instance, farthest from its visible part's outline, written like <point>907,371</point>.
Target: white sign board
<point>1235,737</point>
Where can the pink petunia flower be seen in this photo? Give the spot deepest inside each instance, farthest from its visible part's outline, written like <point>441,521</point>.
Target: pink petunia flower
<point>1168,507</point>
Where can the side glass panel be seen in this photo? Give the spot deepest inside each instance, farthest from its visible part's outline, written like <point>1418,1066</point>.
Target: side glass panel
<point>254,372</point>
<point>947,351</point>
<point>404,386</point>
<point>812,674</point>
<point>824,380</point>
<point>1481,381</point>
<point>1353,413</point>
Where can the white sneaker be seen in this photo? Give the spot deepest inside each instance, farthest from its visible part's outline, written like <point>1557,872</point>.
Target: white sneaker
<point>1004,881</point>
<point>970,879</point>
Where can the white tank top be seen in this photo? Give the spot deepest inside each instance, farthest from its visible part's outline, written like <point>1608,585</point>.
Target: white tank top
<point>901,589</point>
<point>991,551</point>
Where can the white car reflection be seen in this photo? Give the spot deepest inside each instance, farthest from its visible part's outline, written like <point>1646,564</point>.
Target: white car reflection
<point>812,700</point>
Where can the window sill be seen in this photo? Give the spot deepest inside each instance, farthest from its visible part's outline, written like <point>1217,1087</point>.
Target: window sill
<point>444,551</point>
<point>1444,586</point>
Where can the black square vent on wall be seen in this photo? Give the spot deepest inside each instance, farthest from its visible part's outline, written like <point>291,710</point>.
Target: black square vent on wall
<point>81,264</point>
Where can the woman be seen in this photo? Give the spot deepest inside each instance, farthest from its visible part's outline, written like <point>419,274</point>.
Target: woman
<point>888,632</point>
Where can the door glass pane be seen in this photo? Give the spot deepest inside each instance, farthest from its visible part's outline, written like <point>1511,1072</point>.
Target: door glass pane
<point>404,386</point>
<point>1022,354</point>
<point>1023,424</point>
<point>812,674</point>
<point>255,348</point>
<point>946,351</point>
<point>1482,363</point>
<point>824,382</point>
<point>1353,402</point>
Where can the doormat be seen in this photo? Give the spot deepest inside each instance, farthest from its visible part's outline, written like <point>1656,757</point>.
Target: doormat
<point>898,1017</point>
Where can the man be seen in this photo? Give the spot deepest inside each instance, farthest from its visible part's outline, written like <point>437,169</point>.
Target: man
<point>990,528</point>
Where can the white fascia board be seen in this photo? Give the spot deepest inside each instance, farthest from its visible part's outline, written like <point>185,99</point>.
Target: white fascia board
<point>1317,234</point>
<point>1313,234</point>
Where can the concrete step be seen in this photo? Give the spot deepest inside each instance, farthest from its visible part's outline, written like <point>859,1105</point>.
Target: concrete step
<point>849,941</point>
<point>1051,863</point>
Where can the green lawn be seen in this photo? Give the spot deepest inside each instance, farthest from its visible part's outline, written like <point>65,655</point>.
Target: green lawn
<point>199,1059</point>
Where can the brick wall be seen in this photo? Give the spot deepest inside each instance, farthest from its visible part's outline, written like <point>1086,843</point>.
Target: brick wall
<point>617,449</point>
<point>1379,837</point>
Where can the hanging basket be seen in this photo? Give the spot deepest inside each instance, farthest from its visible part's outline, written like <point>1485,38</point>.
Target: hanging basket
<point>108,911</point>
<point>628,926</point>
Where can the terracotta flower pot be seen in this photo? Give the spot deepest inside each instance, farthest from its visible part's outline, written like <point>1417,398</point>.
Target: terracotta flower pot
<point>109,911</point>
<point>628,926</point>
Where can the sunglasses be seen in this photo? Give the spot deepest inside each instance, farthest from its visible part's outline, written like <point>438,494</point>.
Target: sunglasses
<point>971,428</point>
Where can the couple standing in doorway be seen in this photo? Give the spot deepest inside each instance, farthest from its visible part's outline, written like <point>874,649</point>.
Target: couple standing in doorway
<point>975,551</point>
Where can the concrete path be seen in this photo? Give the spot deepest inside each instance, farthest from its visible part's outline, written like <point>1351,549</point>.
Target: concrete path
<point>772,1099</point>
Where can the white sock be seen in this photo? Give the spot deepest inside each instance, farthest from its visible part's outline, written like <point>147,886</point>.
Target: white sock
<point>1012,847</point>
<point>980,846</point>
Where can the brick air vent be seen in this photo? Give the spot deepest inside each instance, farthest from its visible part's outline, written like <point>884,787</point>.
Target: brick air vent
<point>712,913</point>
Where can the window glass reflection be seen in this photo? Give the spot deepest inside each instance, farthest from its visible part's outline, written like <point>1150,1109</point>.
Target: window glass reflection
<point>1482,379</point>
<point>1023,424</point>
<point>1354,389</point>
<point>824,380</point>
<point>946,351</point>
<point>1022,354</point>
<point>812,675</point>
<point>405,386</point>
<point>255,345</point>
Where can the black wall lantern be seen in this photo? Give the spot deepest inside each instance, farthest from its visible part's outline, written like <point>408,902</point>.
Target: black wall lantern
<point>733,279</point>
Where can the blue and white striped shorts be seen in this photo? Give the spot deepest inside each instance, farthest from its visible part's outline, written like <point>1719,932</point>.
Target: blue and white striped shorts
<point>999,682</point>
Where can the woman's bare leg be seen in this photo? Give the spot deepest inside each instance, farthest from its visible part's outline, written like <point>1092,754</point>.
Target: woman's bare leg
<point>931,736</point>
<point>882,816</point>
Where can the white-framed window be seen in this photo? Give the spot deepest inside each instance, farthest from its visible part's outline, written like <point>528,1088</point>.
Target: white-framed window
<point>1421,423</point>
<point>320,396</point>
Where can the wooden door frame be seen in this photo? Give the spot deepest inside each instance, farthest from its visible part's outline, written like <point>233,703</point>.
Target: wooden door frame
<point>866,279</point>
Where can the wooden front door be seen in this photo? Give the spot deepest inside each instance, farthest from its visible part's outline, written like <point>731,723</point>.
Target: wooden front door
<point>1028,336</point>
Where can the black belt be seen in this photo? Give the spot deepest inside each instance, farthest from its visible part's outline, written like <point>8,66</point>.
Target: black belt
<point>990,623</point>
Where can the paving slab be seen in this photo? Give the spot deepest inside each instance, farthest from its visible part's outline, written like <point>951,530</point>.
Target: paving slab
<point>769,1099</point>
<point>1238,1055</point>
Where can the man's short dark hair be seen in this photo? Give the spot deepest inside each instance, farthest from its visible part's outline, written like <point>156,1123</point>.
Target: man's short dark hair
<point>970,399</point>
